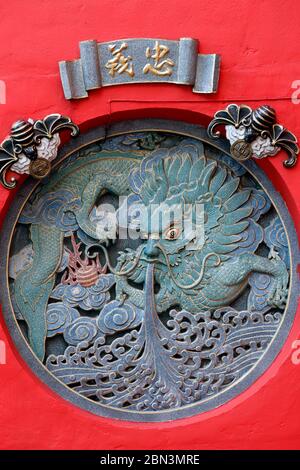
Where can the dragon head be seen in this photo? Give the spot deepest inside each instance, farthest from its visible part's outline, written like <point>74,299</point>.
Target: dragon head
<point>195,216</point>
<point>178,207</point>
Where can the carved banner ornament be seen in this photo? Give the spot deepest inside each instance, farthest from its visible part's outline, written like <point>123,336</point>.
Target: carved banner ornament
<point>32,146</point>
<point>151,276</point>
<point>139,61</point>
<point>254,133</point>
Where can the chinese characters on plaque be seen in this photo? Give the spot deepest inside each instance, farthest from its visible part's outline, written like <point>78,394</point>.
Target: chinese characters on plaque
<point>139,61</point>
<point>119,63</point>
<point>161,65</point>
<point>158,64</point>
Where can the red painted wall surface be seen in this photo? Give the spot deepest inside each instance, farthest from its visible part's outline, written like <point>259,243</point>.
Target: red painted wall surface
<point>259,43</point>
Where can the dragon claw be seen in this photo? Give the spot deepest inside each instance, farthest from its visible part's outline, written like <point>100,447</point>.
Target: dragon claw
<point>273,254</point>
<point>278,299</point>
<point>279,294</point>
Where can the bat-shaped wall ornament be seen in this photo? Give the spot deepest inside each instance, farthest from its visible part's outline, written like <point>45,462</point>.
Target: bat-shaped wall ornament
<point>32,146</point>
<point>254,133</point>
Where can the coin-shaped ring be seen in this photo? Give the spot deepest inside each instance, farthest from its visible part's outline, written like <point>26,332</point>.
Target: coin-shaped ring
<point>241,150</point>
<point>39,168</point>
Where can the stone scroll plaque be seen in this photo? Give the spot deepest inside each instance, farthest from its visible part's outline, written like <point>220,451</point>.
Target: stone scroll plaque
<point>139,61</point>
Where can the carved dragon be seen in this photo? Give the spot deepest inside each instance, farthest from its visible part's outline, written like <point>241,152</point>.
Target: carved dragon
<point>194,277</point>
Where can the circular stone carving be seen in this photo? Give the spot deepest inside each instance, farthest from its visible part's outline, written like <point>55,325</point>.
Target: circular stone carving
<point>152,276</point>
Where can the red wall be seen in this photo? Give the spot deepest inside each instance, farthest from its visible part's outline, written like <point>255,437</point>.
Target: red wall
<point>259,45</point>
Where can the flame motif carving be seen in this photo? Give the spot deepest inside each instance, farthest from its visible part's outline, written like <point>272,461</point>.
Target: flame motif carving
<point>84,271</point>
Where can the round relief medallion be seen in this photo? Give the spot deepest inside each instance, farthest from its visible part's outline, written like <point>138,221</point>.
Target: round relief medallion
<point>150,276</point>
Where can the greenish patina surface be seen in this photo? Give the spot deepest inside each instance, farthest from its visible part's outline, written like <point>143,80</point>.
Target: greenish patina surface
<point>82,184</point>
<point>148,327</point>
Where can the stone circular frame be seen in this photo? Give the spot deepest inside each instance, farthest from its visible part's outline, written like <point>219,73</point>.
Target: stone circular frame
<point>198,406</point>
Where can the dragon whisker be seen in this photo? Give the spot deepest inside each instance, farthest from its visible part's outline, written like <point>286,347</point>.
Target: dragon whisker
<point>200,277</point>
<point>125,272</point>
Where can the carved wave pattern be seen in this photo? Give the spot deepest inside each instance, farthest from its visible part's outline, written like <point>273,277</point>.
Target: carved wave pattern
<point>189,358</point>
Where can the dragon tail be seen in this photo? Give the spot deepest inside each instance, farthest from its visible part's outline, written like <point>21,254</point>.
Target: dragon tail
<point>33,286</point>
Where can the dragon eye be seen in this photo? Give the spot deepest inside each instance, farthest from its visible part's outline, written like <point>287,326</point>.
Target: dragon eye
<point>172,233</point>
